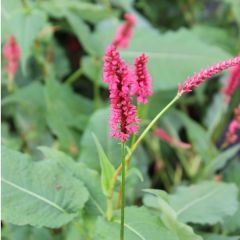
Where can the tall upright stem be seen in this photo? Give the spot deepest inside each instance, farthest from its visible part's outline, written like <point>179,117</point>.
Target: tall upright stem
<point>134,146</point>
<point>123,193</point>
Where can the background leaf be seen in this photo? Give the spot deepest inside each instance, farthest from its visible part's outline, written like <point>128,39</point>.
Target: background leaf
<point>205,203</point>
<point>40,193</point>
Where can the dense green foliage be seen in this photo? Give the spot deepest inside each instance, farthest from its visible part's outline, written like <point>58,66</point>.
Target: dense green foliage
<point>57,156</point>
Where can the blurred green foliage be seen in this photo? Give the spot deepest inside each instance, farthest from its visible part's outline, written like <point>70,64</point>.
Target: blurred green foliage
<point>51,170</point>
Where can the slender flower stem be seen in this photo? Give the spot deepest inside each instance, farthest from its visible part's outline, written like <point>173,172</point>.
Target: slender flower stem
<point>134,146</point>
<point>109,208</point>
<point>72,78</point>
<point>123,193</point>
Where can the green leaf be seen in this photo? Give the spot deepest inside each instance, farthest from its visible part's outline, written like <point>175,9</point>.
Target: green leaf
<point>135,171</point>
<point>39,193</point>
<point>14,232</point>
<point>219,237</point>
<point>65,111</point>
<point>25,27</point>
<point>140,224</point>
<point>92,68</point>
<point>96,203</point>
<point>83,33</point>
<point>232,223</point>
<point>112,148</point>
<point>107,169</point>
<point>91,12</point>
<point>87,11</point>
<point>221,160</point>
<point>160,201</point>
<point>205,203</point>
<point>199,138</point>
<point>89,155</point>
<point>216,36</point>
<point>173,56</point>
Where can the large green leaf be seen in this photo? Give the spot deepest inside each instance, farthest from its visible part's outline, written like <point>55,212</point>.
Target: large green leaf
<point>160,200</point>
<point>140,224</point>
<point>205,203</point>
<point>38,193</point>
<point>96,204</point>
<point>173,56</point>
<point>65,111</point>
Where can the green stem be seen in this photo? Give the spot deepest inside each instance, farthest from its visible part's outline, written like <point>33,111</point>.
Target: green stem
<point>96,95</point>
<point>123,193</point>
<point>109,208</point>
<point>73,77</point>
<point>133,148</point>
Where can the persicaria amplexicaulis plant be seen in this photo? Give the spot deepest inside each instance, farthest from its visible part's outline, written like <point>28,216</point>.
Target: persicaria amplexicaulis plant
<point>123,85</point>
<point>124,121</point>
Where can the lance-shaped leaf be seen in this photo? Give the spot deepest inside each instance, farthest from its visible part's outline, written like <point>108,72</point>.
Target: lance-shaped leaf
<point>39,193</point>
<point>107,169</point>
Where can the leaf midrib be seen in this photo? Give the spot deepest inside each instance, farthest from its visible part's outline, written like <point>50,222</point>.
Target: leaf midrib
<point>35,195</point>
<point>132,230</point>
<point>194,202</point>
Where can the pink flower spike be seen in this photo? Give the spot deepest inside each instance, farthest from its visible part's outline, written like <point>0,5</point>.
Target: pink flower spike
<point>124,32</point>
<point>232,83</point>
<point>159,132</point>
<point>234,126</point>
<point>11,52</point>
<point>123,120</point>
<point>142,84</point>
<point>197,79</point>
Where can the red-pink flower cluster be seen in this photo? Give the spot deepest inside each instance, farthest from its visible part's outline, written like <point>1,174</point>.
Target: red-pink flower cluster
<point>200,77</point>
<point>159,132</point>
<point>233,83</point>
<point>142,84</point>
<point>123,121</point>
<point>234,126</point>
<point>124,32</point>
<point>11,52</point>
